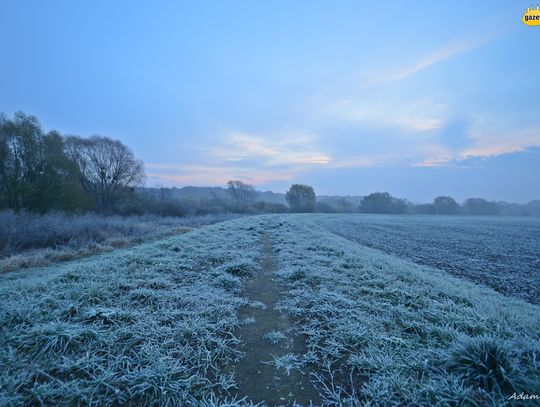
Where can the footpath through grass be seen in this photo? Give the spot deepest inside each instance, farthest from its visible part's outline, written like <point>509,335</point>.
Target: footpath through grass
<point>155,324</point>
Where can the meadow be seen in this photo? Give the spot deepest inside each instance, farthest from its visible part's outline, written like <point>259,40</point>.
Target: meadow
<point>500,252</point>
<point>164,323</point>
<point>31,239</point>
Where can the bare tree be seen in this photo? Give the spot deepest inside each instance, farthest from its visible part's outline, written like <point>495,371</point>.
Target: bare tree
<point>106,167</point>
<point>241,193</point>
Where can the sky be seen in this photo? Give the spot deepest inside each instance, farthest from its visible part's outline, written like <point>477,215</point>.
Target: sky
<point>416,98</point>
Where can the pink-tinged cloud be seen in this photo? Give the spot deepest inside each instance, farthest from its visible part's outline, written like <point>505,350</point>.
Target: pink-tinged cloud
<point>281,149</point>
<point>487,143</point>
<point>255,159</point>
<point>383,112</point>
<point>208,175</point>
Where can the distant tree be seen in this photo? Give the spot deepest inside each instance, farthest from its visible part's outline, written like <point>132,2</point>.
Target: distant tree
<point>445,205</point>
<point>301,198</point>
<point>106,168</point>
<point>480,206</point>
<point>242,194</point>
<point>382,202</point>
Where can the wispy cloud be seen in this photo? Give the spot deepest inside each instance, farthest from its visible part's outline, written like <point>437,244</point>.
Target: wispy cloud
<point>257,159</point>
<point>409,116</point>
<point>288,149</point>
<point>361,161</point>
<point>487,142</point>
<point>496,140</point>
<point>446,52</point>
<point>212,175</point>
<point>385,123</point>
<point>379,103</point>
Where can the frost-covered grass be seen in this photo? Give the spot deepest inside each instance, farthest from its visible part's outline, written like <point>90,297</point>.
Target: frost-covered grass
<point>155,324</point>
<point>287,362</point>
<point>501,252</point>
<point>152,325</point>
<point>383,331</point>
<point>29,240</point>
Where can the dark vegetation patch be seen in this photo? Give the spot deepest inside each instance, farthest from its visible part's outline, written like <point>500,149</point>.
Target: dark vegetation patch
<point>29,240</point>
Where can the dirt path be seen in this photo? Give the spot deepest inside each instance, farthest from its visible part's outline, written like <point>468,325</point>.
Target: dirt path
<point>257,379</point>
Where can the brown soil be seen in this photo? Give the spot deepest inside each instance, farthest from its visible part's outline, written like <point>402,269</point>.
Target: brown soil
<point>257,379</point>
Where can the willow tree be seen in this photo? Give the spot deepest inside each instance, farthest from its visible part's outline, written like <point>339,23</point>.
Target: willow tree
<point>35,173</point>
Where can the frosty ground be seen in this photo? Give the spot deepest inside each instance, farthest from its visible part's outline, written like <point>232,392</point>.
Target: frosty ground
<point>32,240</point>
<point>166,324</point>
<point>501,252</point>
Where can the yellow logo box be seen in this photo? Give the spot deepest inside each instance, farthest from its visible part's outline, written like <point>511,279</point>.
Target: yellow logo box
<point>531,17</point>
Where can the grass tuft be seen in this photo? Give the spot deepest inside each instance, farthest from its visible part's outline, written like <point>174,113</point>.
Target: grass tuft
<point>55,338</point>
<point>240,268</point>
<point>485,362</point>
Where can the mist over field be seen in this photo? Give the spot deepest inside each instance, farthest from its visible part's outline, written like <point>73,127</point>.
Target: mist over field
<point>269,204</point>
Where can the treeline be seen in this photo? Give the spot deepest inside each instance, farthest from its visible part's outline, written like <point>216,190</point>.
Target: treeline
<point>43,171</point>
<point>165,202</point>
<point>48,171</point>
<point>383,202</point>
<point>240,197</point>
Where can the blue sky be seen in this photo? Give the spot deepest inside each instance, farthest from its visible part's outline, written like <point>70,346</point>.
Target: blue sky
<point>414,98</point>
